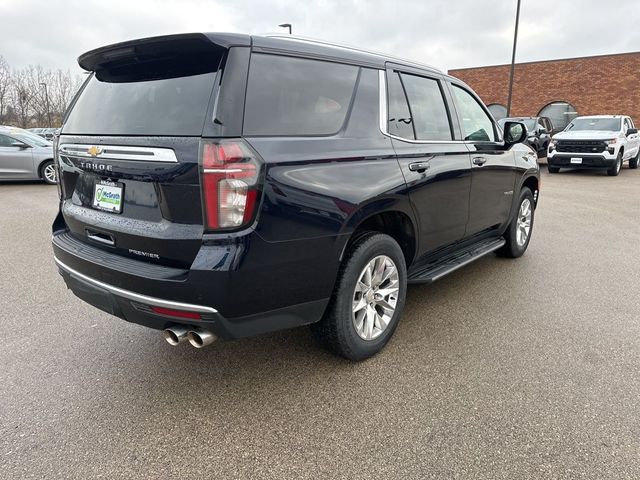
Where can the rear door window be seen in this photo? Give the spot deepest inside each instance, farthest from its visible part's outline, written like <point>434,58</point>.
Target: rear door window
<point>428,109</point>
<point>400,121</point>
<point>297,96</point>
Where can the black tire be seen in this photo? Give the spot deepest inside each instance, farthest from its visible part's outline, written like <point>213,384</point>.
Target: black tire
<point>633,163</point>
<point>44,168</point>
<point>336,331</point>
<point>553,169</point>
<point>512,249</point>
<point>615,170</point>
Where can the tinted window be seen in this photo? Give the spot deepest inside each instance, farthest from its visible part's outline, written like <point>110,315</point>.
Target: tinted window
<point>5,141</point>
<point>400,122</point>
<point>476,124</point>
<point>547,124</point>
<point>31,138</point>
<point>165,106</point>
<point>297,96</point>
<point>428,110</point>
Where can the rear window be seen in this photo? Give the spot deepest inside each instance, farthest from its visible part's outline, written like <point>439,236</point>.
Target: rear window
<point>176,105</point>
<point>296,96</point>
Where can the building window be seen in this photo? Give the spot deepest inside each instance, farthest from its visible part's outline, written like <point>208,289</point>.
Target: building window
<point>560,113</point>
<point>497,110</point>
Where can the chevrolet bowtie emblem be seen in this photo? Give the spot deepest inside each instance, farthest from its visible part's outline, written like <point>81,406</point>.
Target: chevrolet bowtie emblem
<point>94,150</point>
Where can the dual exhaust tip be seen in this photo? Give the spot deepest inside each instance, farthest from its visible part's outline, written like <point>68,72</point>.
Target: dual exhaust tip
<point>197,337</point>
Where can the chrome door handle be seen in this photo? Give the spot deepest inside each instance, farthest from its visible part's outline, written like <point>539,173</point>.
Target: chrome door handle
<point>479,161</point>
<point>419,166</point>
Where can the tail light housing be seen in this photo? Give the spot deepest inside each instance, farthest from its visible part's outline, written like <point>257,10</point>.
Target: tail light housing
<point>230,186</point>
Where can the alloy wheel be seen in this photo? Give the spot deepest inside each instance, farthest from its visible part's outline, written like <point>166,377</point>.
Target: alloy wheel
<point>524,222</point>
<point>375,297</point>
<point>49,173</point>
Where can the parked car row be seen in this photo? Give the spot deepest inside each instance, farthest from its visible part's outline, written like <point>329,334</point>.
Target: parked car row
<point>47,133</point>
<point>283,158</point>
<point>596,142</point>
<point>25,156</point>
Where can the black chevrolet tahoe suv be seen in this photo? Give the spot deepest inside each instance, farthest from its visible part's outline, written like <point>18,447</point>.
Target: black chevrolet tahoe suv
<point>222,185</point>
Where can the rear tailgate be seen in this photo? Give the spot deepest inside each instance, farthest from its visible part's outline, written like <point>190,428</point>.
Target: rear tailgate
<point>129,149</point>
<point>160,215</point>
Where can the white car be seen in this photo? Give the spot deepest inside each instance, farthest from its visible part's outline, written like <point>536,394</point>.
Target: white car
<point>602,142</point>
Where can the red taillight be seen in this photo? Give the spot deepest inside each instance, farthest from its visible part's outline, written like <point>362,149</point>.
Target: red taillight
<point>176,313</point>
<point>229,183</point>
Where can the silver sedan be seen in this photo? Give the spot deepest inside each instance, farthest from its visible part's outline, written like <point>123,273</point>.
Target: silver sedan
<point>25,156</point>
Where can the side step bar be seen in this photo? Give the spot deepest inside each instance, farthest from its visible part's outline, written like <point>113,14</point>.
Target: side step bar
<point>430,272</point>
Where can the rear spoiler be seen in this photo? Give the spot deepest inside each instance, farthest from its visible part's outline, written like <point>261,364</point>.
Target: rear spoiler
<point>164,48</point>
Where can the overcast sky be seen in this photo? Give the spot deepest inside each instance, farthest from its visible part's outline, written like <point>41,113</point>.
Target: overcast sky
<point>444,33</point>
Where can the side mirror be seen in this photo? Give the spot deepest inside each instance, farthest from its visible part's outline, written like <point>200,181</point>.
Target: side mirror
<point>514,132</point>
<point>20,145</point>
<point>632,131</point>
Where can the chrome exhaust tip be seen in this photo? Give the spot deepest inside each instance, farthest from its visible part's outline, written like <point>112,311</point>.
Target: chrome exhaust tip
<point>175,335</point>
<point>200,338</point>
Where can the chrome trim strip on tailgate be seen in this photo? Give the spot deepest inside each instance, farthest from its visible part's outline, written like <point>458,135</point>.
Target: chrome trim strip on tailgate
<point>118,152</point>
<point>136,297</point>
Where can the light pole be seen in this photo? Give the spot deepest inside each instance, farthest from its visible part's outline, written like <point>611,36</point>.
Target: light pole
<point>286,25</point>
<point>513,59</point>
<point>46,97</point>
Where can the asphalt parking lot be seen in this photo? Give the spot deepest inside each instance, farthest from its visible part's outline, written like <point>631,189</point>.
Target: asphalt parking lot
<point>505,369</point>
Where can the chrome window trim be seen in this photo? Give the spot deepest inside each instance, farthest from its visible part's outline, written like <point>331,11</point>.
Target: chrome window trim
<point>136,297</point>
<point>119,152</point>
<point>383,122</point>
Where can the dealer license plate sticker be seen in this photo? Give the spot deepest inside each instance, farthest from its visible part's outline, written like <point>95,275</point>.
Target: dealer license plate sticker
<point>576,160</point>
<point>107,196</point>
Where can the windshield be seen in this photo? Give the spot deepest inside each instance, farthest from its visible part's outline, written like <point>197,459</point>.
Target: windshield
<point>607,124</point>
<point>30,138</point>
<point>530,123</point>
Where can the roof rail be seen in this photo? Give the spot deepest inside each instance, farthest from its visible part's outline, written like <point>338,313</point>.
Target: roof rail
<point>349,47</point>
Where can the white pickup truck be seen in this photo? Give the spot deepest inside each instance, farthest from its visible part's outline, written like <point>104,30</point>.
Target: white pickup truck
<point>602,142</point>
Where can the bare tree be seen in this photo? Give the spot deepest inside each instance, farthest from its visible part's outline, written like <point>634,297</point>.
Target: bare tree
<point>22,96</point>
<point>5,85</point>
<point>35,96</point>
<point>62,88</point>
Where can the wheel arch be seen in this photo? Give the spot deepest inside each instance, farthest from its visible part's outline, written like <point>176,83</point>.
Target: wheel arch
<point>395,220</point>
<point>532,182</point>
<point>41,166</point>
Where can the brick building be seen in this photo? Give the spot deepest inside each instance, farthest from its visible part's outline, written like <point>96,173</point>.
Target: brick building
<point>561,89</point>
